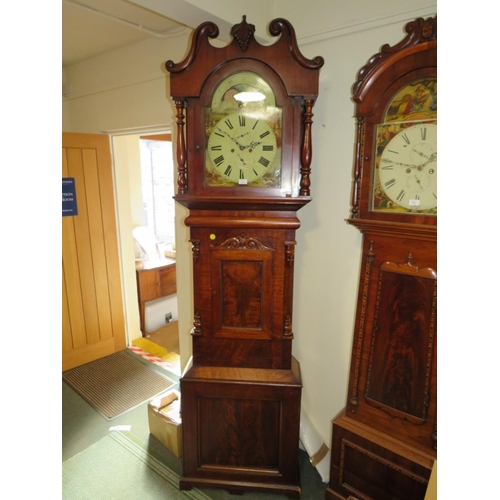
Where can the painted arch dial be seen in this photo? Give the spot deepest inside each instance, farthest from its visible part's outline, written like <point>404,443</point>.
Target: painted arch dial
<point>242,148</point>
<point>407,171</point>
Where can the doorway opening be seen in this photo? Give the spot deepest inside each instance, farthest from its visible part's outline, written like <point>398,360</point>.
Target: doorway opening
<point>157,174</point>
<point>144,180</point>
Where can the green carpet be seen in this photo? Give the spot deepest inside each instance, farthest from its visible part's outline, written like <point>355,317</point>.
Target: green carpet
<point>119,467</point>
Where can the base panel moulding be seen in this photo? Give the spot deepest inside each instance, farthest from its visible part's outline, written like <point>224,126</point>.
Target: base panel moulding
<point>370,465</point>
<point>241,429</point>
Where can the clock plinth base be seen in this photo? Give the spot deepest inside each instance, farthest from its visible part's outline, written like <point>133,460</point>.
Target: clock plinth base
<point>369,464</point>
<point>240,429</point>
<point>238,487</point>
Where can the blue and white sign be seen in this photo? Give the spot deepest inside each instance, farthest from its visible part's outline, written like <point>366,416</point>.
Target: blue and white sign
<point>69,206</point>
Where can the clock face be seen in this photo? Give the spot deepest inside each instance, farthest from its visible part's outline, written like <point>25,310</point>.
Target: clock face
<point>243,129</point>
<point>407,168</point>
<point>404,178</point>
<point>242,148</point>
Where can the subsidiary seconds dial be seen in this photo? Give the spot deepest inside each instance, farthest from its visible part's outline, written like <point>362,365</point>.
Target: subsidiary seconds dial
<point>242,148</point>
<point>407,170</point>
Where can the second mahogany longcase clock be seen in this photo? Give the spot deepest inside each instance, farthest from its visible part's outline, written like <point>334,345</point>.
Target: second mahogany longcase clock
<point>384,446</point>
<point>244,118</point>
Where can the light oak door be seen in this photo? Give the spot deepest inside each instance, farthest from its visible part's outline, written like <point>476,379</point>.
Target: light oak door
<point>93,321</point>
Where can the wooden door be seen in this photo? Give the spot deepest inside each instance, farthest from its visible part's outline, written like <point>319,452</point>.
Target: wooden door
<point>92,304</point>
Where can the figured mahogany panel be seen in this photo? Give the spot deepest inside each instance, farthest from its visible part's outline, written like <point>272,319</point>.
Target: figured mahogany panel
<point>399,365</point>
<point>242,287</point>
<point>374,466</point>
<point>240,428</point>
<point>392,384</point>
<point>245,437</point>
<point>241,294</point>
<point>380,480</point>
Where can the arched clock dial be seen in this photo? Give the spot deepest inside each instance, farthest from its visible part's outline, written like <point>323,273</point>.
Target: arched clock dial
<point>243,128</point>
<point>242,148</point>
<point>407,170</point>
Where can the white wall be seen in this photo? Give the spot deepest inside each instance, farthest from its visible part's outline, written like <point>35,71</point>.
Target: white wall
<point>125,88</point>
<point>128,88</point>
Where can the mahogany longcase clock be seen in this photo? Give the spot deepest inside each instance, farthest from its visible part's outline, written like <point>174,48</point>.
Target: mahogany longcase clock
<point>244,119</point>
<point>384,445</point>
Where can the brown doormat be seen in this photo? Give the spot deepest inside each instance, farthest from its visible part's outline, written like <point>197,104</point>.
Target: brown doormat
<point>116,383</point>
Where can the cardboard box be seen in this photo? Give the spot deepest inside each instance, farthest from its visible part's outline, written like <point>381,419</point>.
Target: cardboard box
<point>165,421</point>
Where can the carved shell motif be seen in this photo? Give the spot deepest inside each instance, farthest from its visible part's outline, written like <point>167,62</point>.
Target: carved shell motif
<point>242,242</point>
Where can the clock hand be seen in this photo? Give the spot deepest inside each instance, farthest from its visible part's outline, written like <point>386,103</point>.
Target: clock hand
<point>253,144</point>
<point>419,183</point>
<point>430,158</point>
<point>242,148</point>
<point>242,161</point>
<point>410,165</point>
<point>399,164</point>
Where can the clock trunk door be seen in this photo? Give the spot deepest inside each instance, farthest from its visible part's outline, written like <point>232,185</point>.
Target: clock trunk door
<point>393,374</point>
<point>243,300</point>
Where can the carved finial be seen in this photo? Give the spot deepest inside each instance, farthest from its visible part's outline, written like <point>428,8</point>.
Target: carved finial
<point>196,324</point>
<point>243,33</point>
<point>287,330</point>
<point>290,252</point>
<point>354,404</point>
<point>429,28</point>
<point>410,258</point>
<point>196,249</point>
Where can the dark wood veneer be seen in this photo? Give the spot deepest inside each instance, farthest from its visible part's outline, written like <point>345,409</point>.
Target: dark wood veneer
<point>235,437</point>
